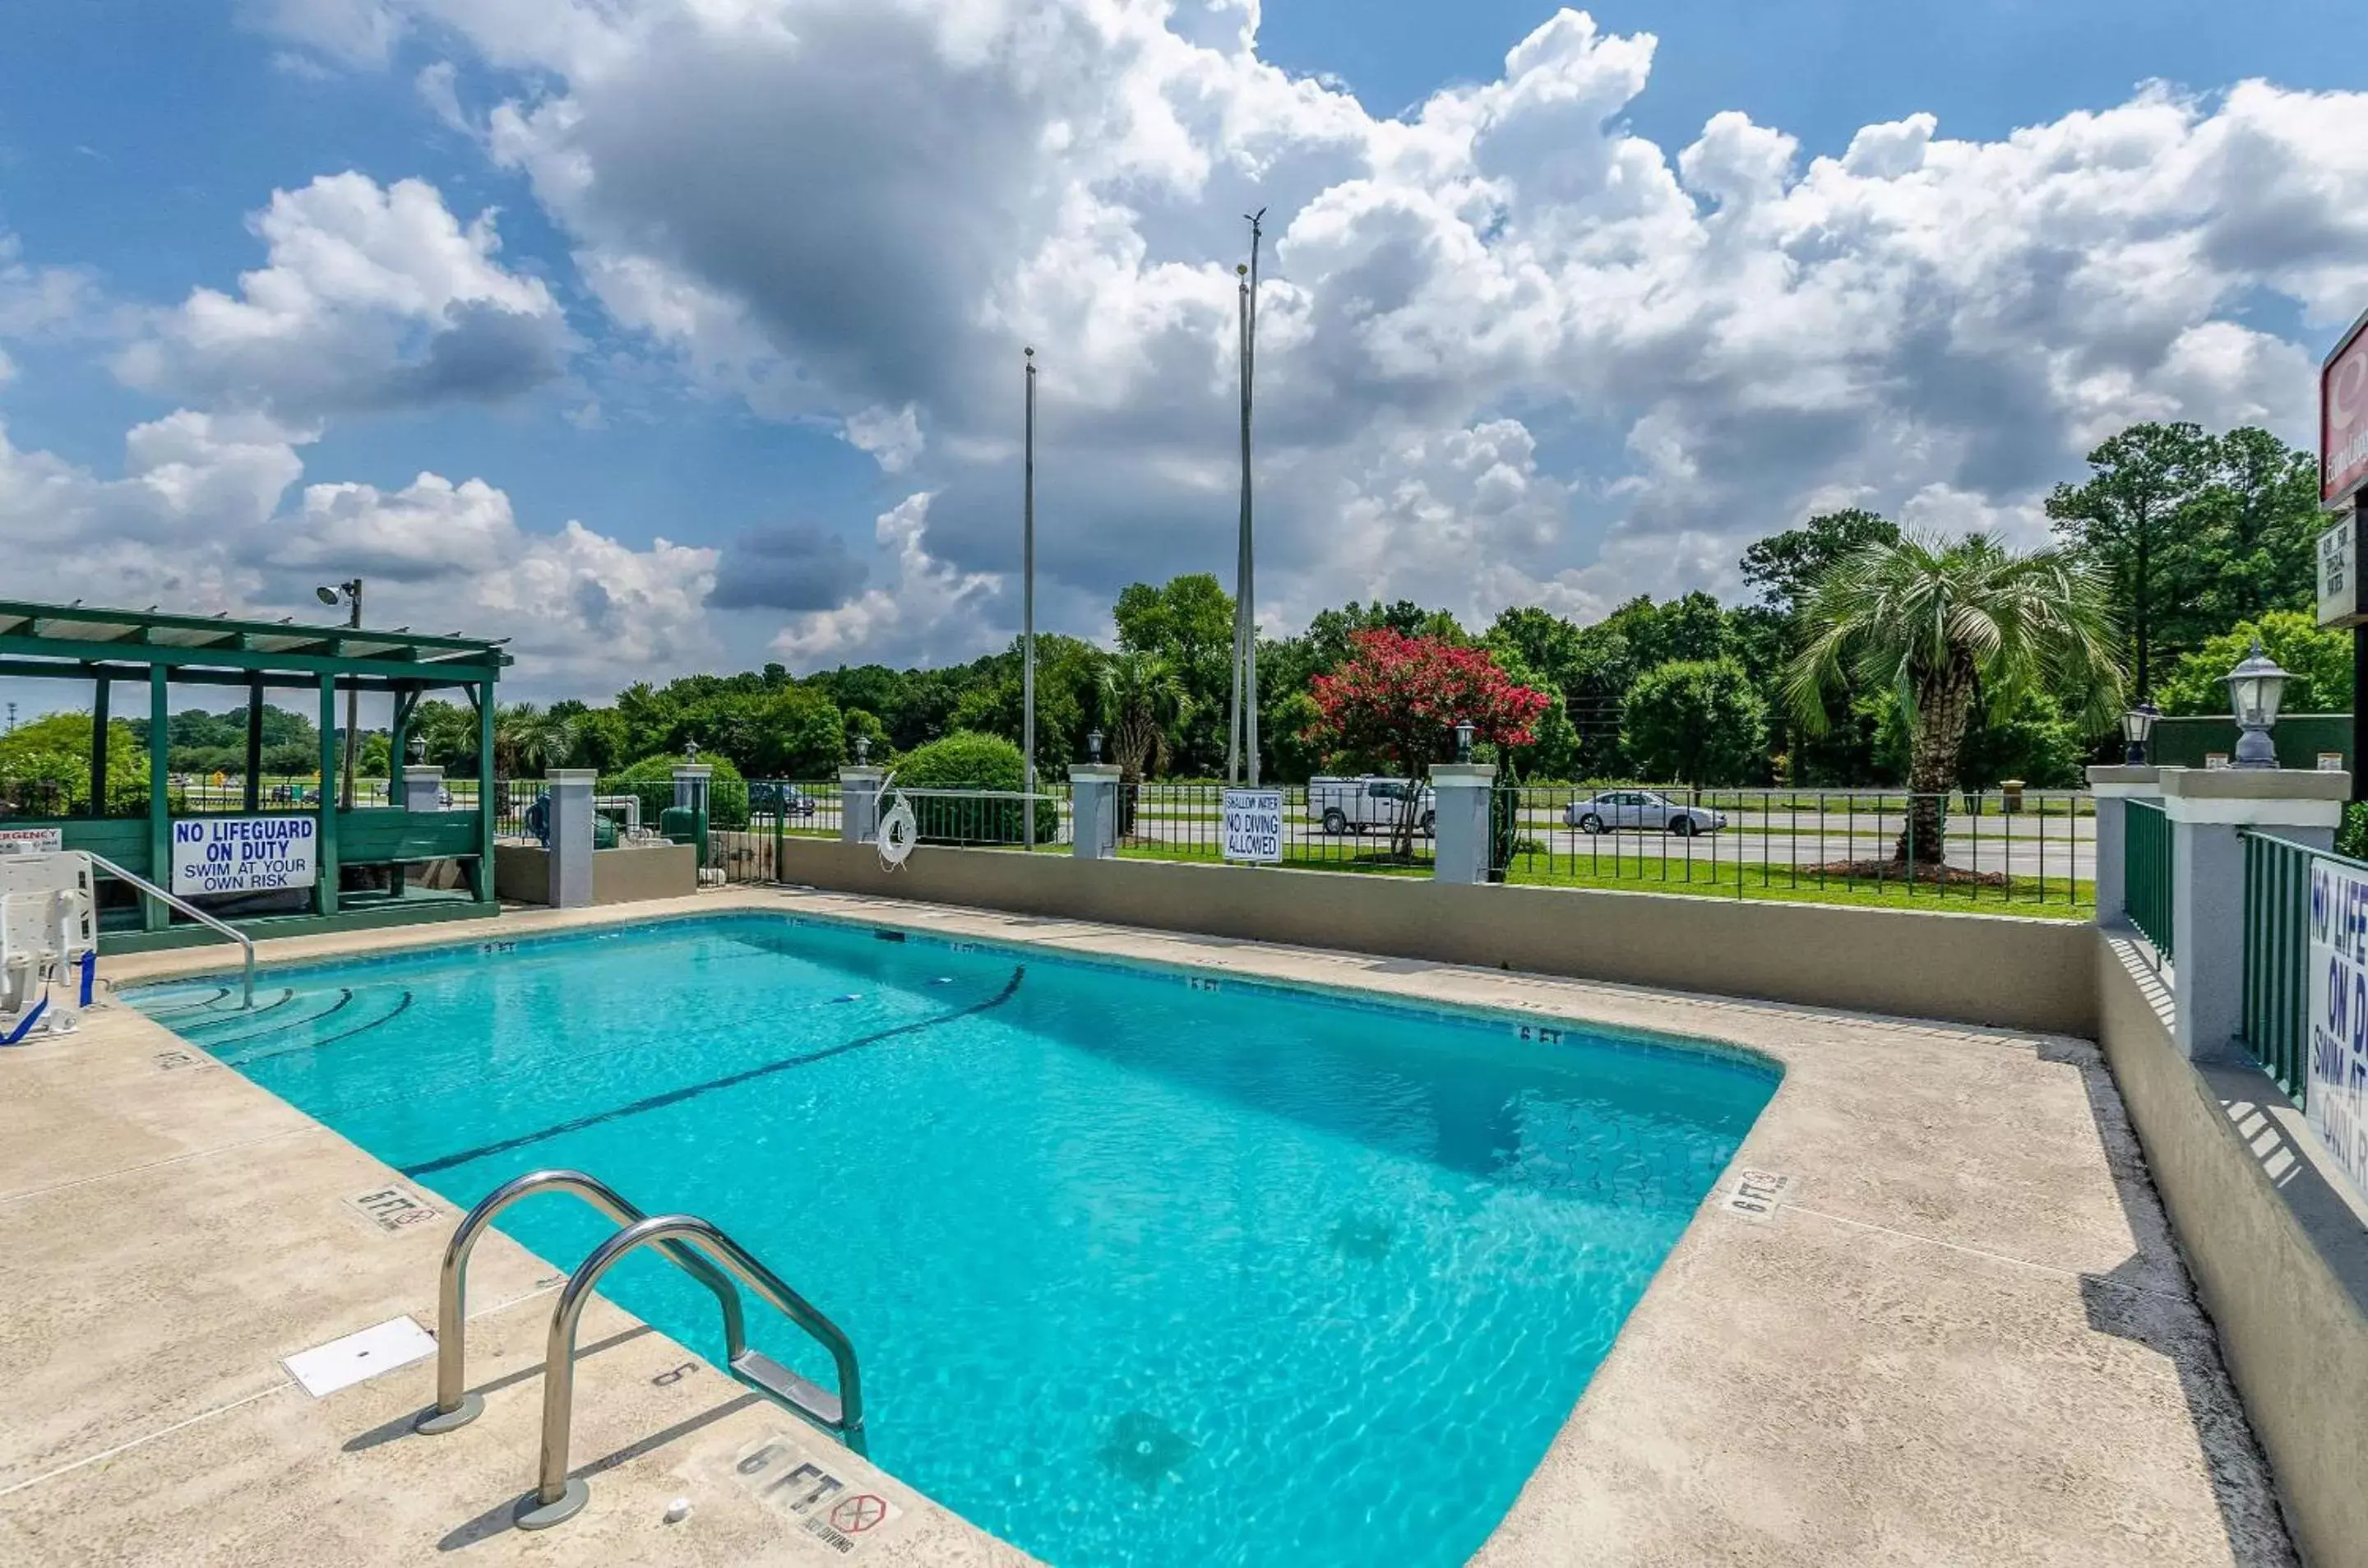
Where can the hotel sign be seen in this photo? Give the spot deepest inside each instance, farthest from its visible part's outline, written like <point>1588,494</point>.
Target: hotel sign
<point>2343,417</point>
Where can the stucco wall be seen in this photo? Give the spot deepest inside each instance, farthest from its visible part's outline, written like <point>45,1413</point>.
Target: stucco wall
<point>2018,973</point>
<point>2279,1258</point>
<point>521,874</point>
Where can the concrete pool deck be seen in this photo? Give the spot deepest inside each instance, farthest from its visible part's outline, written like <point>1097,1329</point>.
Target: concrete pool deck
<point>1964,1334</point>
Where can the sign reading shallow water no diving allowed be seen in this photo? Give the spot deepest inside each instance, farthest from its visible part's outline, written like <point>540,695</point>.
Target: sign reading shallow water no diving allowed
<point>1254,825</point>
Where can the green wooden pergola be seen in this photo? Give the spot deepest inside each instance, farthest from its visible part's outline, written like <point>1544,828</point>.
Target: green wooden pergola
<point>106,647</point>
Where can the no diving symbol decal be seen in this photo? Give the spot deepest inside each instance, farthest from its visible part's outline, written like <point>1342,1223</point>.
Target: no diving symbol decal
<point>859,1513</point>
<point>785,1475</point>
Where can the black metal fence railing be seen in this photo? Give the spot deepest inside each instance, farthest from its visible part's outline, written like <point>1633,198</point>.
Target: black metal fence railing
<point>2032,848</point>
<point>1351,825</point>
<point>778,810</point>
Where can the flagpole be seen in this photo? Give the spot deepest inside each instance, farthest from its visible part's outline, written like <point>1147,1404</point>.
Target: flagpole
<point>1028,615</point>
<point>1241,527</point>
<point>1249,543</point>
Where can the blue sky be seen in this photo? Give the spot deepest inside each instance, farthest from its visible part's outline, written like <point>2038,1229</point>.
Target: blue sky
<point>759,296</point>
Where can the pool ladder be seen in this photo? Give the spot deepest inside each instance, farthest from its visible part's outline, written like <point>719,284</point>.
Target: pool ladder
<point>684,1240</point>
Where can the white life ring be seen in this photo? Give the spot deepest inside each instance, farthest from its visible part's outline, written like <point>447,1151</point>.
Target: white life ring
<point>898,833</point>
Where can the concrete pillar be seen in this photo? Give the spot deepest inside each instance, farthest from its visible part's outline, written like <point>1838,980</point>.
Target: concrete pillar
<point>422,787</point>
<point>690,793</point>
<point>1462,789</point>
<point>2205,808</point>
<point>2114,787</point>
<point>858,804</point>
<point>690,782</point>
<point>1094,809</point>
<point>570,861</point>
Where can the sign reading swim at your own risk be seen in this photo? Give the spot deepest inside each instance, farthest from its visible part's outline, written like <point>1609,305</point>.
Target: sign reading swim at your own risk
<point>259,854</point>
<point>1254,825</point>
<point>2335,1090</point>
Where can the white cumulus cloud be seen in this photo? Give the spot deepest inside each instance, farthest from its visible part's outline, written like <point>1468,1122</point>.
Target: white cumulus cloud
<point>1509,350</point>
<point>374,296</point>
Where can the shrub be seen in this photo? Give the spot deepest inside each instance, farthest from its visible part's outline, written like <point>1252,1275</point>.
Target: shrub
<point>968,760</point>
<point>653,780</point>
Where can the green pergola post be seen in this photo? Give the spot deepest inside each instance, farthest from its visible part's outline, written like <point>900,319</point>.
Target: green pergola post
<point>485,695</point>
<point>398,745</point>
<point>154,914</point>
<point>253,744</point>
<point>325,854</point>
<point>98,745</point>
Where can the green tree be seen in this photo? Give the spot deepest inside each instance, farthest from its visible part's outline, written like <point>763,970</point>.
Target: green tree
<point>652,780</point>
<point>1787,567</point>
<point>967,761</point>
<point>2252,530</point>
<point>526,739</point>
<point>45,768</point>
<point>1140,702</point>
<point>1189,623</point>
<point>2319,659</point>
<point>2126,519</point>
<point>1696,722</point>
<point>449,728</point>
<point>1944,626</point>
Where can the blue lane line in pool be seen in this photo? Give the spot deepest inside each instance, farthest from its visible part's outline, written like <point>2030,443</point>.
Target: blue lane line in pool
<point>399,1010</point>
<point>345,995</point>
<point>692,1091</point>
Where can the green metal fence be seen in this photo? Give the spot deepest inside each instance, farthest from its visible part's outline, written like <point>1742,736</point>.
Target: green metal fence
<point>2145,874</point>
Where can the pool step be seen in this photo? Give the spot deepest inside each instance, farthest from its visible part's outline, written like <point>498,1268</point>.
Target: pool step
<point>777,1382</point>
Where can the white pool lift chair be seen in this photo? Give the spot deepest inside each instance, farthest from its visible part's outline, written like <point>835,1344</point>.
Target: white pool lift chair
<point>49,944</point>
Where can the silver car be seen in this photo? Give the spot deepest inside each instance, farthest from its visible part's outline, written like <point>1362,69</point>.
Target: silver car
<point>1612,810</point>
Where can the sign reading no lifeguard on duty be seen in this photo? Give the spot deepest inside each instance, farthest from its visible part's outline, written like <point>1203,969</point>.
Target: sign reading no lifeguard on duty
<point>259,854</point>
<point>2335,1095</point>
<point>1254,824</point>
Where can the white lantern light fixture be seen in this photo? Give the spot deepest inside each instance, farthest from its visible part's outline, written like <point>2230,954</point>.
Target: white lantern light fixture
<point>2255,690</point>
<point>2137,728</point>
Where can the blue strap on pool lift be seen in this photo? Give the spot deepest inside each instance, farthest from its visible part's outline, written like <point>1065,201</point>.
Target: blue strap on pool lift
<point>25,1025</point>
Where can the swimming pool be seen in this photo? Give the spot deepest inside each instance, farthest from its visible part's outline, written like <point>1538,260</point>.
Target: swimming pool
<point>1144,1267</point>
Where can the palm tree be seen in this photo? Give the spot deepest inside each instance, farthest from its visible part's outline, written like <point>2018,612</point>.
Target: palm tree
<point>529,738</point>
<point>1944,625</point>
<point>1141,698</point>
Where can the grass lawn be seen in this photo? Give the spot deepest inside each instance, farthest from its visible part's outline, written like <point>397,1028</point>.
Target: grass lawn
<point>2073,901</point>
<point>2064,900</point>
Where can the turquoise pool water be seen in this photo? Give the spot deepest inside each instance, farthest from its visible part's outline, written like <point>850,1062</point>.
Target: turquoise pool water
<point>1142,1269</point>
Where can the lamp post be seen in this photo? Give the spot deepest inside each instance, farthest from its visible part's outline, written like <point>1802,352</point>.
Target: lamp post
<point>1028,615</point>
<point>2137,728</point>
<point>1241,724</point>
<point>352,592</point>
<point>1094,745</point>
<point>862,750</point>
<point>2255,688</point>
<point>1464,740</point>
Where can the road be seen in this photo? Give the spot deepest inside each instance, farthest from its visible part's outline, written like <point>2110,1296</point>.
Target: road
<point>2027,846</point>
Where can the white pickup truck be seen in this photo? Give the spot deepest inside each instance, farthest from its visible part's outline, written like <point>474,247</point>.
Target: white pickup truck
<point>1369,804</point>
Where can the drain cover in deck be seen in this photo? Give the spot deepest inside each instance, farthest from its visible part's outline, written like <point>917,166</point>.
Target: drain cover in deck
<point>341,1363</point>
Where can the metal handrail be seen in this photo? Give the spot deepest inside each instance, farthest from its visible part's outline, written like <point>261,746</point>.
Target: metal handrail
<point>556,1497</point>
<point>186,907</point>
<point>455,1406</point>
